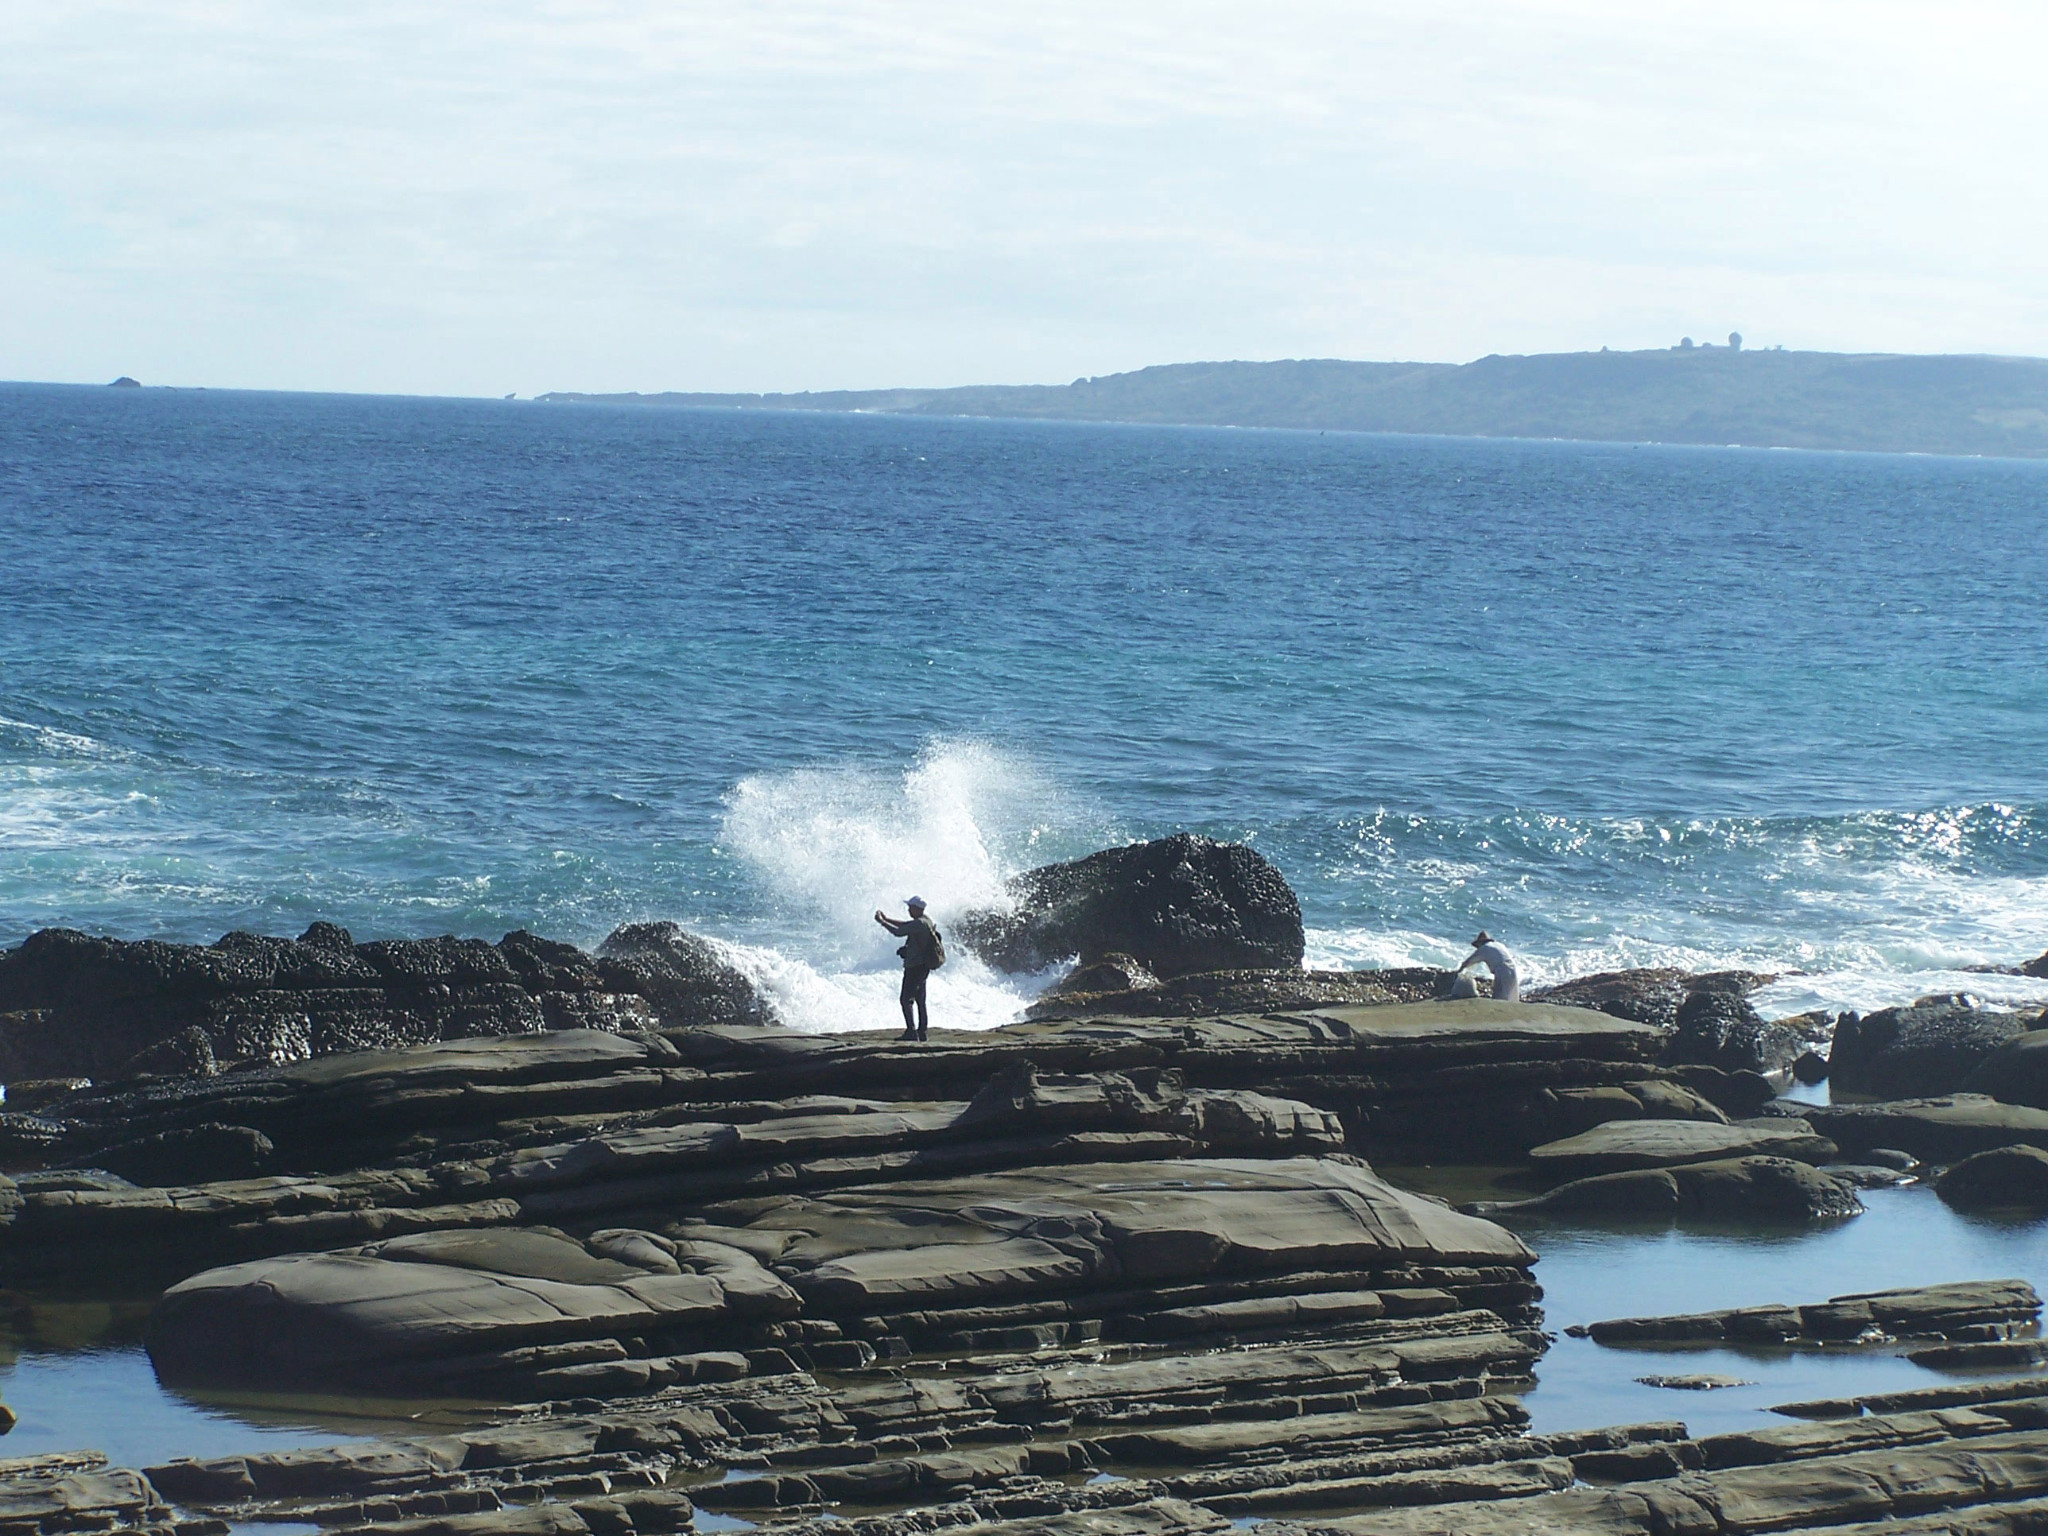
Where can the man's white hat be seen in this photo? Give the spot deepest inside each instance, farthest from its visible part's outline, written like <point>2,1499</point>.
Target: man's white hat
<point>916,903</point>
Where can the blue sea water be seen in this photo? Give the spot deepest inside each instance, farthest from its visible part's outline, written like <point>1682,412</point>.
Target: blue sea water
<point>425,666</point>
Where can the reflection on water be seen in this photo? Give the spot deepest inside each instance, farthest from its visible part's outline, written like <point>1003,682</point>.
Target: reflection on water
<point>1907,1237</point>
<point>108,1400</point>
<point>77,1375</point>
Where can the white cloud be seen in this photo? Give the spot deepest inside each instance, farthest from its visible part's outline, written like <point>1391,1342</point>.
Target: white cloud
<point>784,195</point>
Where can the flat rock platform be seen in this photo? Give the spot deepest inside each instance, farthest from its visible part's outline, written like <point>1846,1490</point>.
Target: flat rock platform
<point>1086,1277</point>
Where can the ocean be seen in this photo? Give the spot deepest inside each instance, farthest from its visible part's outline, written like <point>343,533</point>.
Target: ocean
<point>429,666</point>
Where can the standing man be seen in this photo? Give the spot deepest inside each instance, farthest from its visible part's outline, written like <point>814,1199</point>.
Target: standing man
<point>1507,987</point>
<point>922,953</point>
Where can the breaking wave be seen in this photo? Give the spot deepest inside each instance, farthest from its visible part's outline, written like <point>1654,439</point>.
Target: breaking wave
<point>825,846</point>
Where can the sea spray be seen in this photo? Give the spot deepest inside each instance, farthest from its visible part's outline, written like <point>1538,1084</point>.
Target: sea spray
<point>966,994</point>
<point>1656,738</point>
<point>1860,910</point>
<point>826,845</point>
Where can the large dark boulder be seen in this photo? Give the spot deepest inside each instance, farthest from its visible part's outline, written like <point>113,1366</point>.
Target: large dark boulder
<point>2005,1178</point>
<point>1176,905</point>
<point>76,1005</point>
<point>1737,1094</point>
<point>682,976</point>
<point>1720,1029</point>
<point>1930,1048</point>
<point>1762,1189</point>
<point>2037,967</point>
<point>1648,994</point>
<point>1936,1130</point>
<point>1625,1145</point>
<point>2016,1072</point>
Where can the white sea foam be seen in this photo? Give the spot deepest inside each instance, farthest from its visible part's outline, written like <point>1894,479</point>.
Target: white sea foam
<point>1856,911</point>
<point>1876,957</point>
<point>965,994</point>
<point>48,741</point>
<point>1864,990</point>
<point>828,845</point>
<point>46,809</point>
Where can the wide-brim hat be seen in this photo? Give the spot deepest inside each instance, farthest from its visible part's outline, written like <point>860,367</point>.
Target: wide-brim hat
<point>1484,938</point>
<point>916,903</point>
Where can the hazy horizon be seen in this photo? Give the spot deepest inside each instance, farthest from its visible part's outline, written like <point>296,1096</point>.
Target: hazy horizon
<point>916,387</point>
<point>811,197</point>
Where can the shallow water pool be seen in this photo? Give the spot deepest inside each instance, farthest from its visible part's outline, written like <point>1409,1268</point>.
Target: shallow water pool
<point>76,1374</point>
<point>78,1377</point>
<point>1906,1237</point>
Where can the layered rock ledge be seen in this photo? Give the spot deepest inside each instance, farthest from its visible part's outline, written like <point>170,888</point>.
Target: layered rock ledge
<point>1381,1433</point>
<point>1128,1269</point>
<point>586,1129</point>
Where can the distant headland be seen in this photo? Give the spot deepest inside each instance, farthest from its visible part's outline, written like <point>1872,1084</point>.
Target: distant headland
<point>1873,402</point>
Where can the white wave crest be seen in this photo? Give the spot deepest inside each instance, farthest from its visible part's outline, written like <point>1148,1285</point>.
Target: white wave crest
<point>827,845</point>
<point>49,741</point>
<point>51,810</point>
<point>965,994</point>
<point>830,844</point>
<point>1867,989</point>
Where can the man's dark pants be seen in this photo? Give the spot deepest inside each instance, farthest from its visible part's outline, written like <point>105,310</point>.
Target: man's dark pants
<point>914,978</point>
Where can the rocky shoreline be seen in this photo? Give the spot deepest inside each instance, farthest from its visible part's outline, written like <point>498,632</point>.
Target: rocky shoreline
<point>1127,1266</point>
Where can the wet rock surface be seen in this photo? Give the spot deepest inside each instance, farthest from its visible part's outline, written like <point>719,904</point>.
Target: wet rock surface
<point>1649,995</point>
<point>1247,991</point>
<point>1184,1248</point>
<point>1756,1189</point>
<point>2016,1072</point>
<point>1382,1431</point>
<point>1975,1310</point>
<point>1133,1276</point>
<point>1720,1029</point>
<point>1930,1048</point>
<point>2003,1179</point>
<point>1619,1146</point>
<point>81,1007</point>
<point>1175,905</point>
<point>1936,1130</point>
<point>587,1129</point>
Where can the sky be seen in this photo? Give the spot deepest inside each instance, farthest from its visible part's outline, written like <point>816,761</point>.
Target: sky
<point>482,198</point>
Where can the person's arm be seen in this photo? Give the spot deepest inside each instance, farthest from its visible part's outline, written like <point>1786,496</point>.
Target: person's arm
<point>1470,961</point>
<point>890,923</point>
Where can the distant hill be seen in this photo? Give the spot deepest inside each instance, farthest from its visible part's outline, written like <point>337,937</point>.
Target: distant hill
<point>1874,402</point>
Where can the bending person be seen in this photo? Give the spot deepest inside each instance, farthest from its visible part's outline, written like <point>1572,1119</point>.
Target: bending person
<point>1507,986</point>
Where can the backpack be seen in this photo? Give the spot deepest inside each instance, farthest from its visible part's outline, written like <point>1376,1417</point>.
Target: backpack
<point>934,947</point>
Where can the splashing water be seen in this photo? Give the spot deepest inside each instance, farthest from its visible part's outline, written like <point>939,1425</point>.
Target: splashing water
<point>350,660</point>
<point>827,845</point>
<point>1866,910</point>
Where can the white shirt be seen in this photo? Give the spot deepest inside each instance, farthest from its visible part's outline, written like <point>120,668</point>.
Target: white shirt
<point>1507,987</point>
